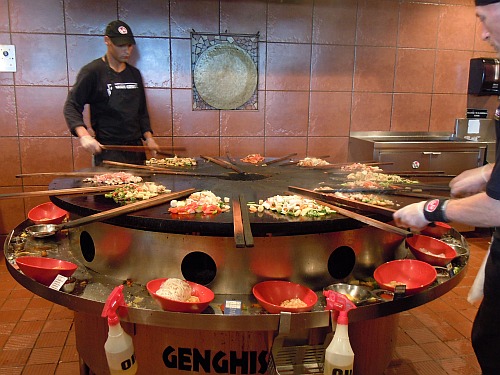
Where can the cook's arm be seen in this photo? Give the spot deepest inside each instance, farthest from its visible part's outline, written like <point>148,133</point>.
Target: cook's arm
<point>88,142</point>
<point>471,181</point>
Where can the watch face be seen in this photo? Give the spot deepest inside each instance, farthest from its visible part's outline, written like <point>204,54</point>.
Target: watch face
<point>431,205</point>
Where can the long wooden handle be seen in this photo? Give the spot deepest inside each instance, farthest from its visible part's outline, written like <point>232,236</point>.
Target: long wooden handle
<point>161,170</point>
<point>329,197</point>
<point>48,193</point>
<point>361,218</point>
<point>163,198</point>
<point>140,148</point>
<point>223,163</point>
<point>279,159</point>
<point>239,237</point>
<point>245,218</point>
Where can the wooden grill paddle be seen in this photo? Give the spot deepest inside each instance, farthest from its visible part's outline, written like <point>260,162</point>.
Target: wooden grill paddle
<point>157,170</point>
<point>278,159</point>
<point>161,150</point>
<point>72,174</point>
<point>223,163</point>
<point>40,231</point>
<point>47,193</point>
<point>242,230</point>
<point>361,218</point>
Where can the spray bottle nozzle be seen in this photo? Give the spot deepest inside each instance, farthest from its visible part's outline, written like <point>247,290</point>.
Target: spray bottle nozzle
<point>112,306</point>
<point>338,302</point>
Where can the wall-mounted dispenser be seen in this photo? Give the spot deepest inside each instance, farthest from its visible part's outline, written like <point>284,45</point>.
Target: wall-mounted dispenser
<point>484,76</point>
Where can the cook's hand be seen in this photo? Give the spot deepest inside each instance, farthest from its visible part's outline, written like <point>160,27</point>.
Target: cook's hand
<point>90,144</point>
<point>411,216</point>
<point>469,182</point>
<point>152,145</point>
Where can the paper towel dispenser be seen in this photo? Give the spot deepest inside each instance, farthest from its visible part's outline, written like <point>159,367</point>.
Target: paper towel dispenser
<point>484,76</point>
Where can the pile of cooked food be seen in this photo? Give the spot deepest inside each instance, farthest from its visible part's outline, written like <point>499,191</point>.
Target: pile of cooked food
<point>361,167</point>
<point>291,205</point>
<point>201,202</point>
<point>375,180</point>
<point>294,303</point>
<point>365,198</point>
<point>113,178</point>
<point>312,162</point>
<point>136,192</point>
<point>172,162</point>
<point>177,290</point>
<point>253,158</point>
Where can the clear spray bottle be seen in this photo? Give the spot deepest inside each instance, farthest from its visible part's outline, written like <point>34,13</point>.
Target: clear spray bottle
<point>339,356</point>
<point>119,347</point>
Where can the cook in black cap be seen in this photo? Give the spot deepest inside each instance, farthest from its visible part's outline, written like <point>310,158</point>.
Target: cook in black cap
<point>476,202</point>
<point>114,90</point>
<point>120,33</point>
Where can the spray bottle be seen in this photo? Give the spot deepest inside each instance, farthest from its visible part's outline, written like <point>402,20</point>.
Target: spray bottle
<point>339,357</point>
<point>119,347</point>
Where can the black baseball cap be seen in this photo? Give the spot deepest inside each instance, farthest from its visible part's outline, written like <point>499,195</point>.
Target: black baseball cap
<point>120,33</point>
<point>486,2</point>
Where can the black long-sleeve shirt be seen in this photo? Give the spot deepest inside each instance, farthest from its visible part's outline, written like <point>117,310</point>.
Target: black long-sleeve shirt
<point>118,110</point>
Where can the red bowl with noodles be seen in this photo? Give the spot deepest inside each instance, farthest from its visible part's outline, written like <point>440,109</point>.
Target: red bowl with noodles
<point>205,296</point>
<point>272,294</point>
<point>431,250</point>
<point>413,273</point>
<point>47,213</point>
<point>45,270</point>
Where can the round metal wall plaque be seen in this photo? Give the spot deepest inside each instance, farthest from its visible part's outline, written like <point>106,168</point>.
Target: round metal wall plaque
<point>225,76</point>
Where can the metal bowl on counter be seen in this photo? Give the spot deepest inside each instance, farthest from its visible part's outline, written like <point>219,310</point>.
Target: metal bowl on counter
<point>357,294</point>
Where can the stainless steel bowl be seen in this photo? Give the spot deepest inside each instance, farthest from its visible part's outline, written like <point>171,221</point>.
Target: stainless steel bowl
<point>357,294</point>
<point>42,230</point>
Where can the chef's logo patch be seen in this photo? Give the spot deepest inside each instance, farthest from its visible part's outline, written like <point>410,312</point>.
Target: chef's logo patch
<point>432,205</point>
<point>122,30</point>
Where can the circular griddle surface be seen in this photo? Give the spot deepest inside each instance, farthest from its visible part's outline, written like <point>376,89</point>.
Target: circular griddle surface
<point>257,183</point>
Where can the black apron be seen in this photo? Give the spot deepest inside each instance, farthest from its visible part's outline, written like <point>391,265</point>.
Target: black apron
<point>123,104</point>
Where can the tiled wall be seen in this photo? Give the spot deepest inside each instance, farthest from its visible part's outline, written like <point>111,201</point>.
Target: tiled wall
<point>327,67</point>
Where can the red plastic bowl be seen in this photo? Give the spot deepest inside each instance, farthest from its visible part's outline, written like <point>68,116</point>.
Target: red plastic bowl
<point>271,295</point>
<point>204,294</point>
<point>436,230</point>
<point>431,250</point>
<point>44,270</point>
<point>415,274</point>
<point>47,213</point>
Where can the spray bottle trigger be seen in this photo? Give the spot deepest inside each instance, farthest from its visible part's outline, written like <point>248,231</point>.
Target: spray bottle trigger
<point>113,303</point>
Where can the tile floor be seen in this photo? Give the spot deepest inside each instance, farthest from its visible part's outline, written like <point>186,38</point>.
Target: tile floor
<point>37,337</point>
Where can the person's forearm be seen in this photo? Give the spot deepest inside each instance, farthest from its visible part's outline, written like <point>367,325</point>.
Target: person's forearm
<point>81,131</point>
<point>147,135</point>
<point>477,210</point>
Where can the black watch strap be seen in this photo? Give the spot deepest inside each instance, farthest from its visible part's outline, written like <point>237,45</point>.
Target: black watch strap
<point>435,210</point>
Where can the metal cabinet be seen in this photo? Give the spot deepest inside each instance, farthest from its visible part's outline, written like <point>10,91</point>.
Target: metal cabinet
<point>417,151</point>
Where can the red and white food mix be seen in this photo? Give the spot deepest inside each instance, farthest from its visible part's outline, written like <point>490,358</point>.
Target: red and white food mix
<point>116,178</point>
<point>253,158</point>
<point>201,202</point>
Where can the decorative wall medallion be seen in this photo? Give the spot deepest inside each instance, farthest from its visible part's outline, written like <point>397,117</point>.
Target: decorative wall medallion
<point>224,71</point>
